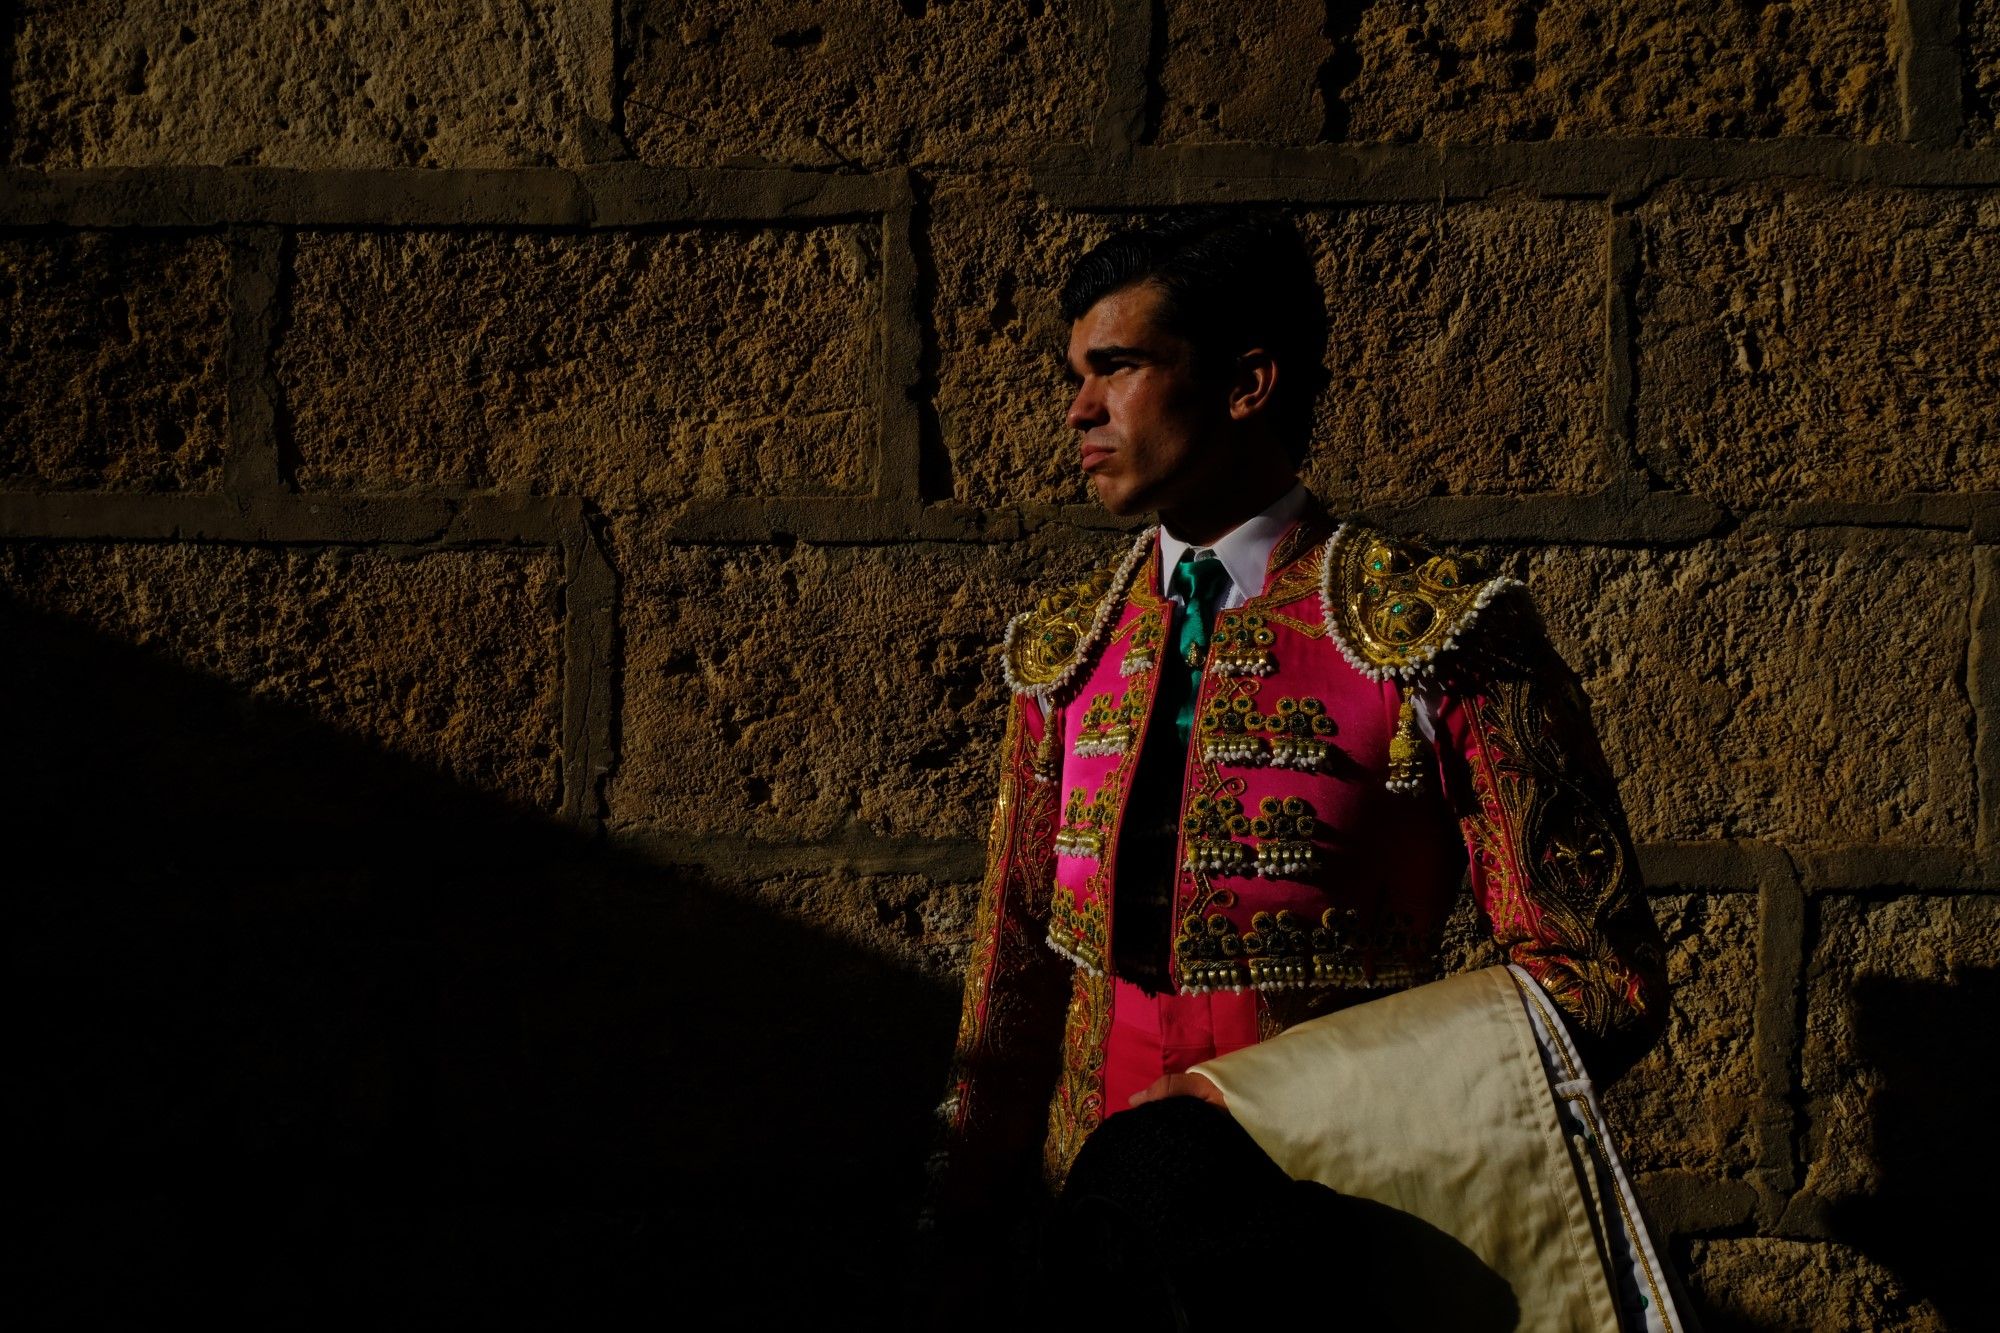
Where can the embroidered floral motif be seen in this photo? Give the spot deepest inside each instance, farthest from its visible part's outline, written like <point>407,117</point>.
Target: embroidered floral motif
<point>1292,735</point>
<point>1086,821</point>
<point>1144,652</point>
<point>1229,735</point>
<point>1108,725</point>
<point>1393,607</point>
<point>1553,862</point>
<point>1279,953</point>
<point>1047,648</point>
<point>1285,828</point>
<point>1241,645</point>
<point>1210,829</point>
<point>1208,953</point>
<point>1078,1105</point>
<point>1078,932</point>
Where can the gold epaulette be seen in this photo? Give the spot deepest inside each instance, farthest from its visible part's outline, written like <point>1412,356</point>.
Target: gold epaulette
<point>1393,607</point>
<point>1053,644</point>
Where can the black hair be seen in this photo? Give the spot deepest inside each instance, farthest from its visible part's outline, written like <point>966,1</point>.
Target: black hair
<point>1232,280</point>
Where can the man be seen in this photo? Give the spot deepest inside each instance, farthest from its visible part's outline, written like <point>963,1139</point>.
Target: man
<point>1249,762</point>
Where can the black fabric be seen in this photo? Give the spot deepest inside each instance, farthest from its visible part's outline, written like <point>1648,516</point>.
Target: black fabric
<point>1143,884</point>
<point>1173,1218</point>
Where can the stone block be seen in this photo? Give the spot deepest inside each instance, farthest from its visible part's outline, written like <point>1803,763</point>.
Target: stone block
<point>863,83</point>
<point>1466,349</point>
<point>1902,993</point>
<point>1797,687</point>
<point>1471,70</point>
<point>114,372</point>
<point>919,926</point>
<point>1001,258</point>
<point>816,691</point>
<point>1980,37</point>
<point>291,83</point>
<point>1815,342</point>
<point>1243,72</point>
<point>629,367</point>
<point>450,661</point>
<point>1765,1283</point>
<point>1688,1105</point>
<point>1466,346</point>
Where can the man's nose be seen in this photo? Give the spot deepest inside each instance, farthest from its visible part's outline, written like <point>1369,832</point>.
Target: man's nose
<point>1087,408</point>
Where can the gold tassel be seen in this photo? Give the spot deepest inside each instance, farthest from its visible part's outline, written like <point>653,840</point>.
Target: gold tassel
<point>1048,760</point>
<point>1406,751</point>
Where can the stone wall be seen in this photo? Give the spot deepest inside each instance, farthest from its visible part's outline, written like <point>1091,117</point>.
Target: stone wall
<point>505,510</point>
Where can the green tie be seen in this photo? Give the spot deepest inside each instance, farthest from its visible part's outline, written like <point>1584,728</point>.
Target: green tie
<point>1199,583</point>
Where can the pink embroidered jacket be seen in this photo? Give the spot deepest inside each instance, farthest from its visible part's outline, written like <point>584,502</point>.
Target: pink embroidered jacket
<point>1322,837</point>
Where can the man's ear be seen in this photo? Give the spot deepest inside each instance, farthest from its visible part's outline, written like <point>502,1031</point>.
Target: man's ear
<point>1251,384</point>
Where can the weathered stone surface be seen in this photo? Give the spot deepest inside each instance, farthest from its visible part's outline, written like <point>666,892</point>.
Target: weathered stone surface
<point>921,926</point>
<point>1472,70</point>
<point>1001,258</point>
<point>1757,1283</point>
<point>627,367</point>
<point>1466,349</point>
<point>859,82</point>
<point>1762,686</point>
<point>1249,72</point>
<point>1465,346</point>
<point>1895,987</point>
<point>112,375</point>
<point>1980,37</point>
<point>450,660</point>
<point>370,83</point>
<point>1687,1106</point>
<point>1815,342</point>
<point>810,691</point>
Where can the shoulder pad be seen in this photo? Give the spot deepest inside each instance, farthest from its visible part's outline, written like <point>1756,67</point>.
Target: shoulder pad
<point>1393,607</point>
<point>1050,645</point>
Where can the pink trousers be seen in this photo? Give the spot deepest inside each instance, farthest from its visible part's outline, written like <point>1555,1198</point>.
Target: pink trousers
<point>1153,1035</point>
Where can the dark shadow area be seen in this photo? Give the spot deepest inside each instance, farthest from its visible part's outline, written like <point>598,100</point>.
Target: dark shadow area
<point>1933,1134</point>
<point>309,1035</point>
<point>1174,1218</point>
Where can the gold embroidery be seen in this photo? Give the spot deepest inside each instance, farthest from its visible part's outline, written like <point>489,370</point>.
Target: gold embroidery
<point>1210,829</point>
<point>1392,607</point>
<point>1108,727</point>
<point>1241,645</point>
<point>1280,953</point>
<point>1087,821</point>
<point>1557,866</point>
<point>1076,932</point>
<point>1292,735</point>
<point>1144,653</point>
<point>1285,828</point>
<point>1047,647</point>
<point>1229,736</point>
<point>1078,1105</point>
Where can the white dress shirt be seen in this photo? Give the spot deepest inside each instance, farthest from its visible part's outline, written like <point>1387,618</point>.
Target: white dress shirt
<point>1245,550</point>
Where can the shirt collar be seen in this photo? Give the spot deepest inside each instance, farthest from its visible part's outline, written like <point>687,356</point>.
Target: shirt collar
<point>1245,550</point>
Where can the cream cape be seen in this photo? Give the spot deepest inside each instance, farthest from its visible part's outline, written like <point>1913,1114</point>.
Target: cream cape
<point>1439,1102</point>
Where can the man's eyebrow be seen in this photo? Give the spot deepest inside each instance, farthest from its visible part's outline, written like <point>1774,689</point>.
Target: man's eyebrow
<point>1099,357</point>
<point>1115,352</point>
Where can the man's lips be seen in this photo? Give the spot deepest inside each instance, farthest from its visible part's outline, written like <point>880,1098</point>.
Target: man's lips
<point>1094,454</point>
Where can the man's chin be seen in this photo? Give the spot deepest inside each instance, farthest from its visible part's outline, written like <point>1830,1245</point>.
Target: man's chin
<point>1119,501</point>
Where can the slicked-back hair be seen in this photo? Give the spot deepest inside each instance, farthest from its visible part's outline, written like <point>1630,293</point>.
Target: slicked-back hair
<point>1230,280</point>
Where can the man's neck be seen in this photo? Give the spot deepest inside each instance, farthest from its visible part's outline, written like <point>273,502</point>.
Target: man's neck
<point>1209,518</point>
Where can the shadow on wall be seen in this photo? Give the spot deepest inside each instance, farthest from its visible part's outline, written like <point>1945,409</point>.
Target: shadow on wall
<point>308,1033</point>
<point>1933,1127</point>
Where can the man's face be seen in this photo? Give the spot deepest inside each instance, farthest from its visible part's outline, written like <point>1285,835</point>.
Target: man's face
<point>1147,426</point>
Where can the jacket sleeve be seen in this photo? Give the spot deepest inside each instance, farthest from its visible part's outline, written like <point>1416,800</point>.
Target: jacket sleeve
<point>995,1110</point>
<point>1551,861</point>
